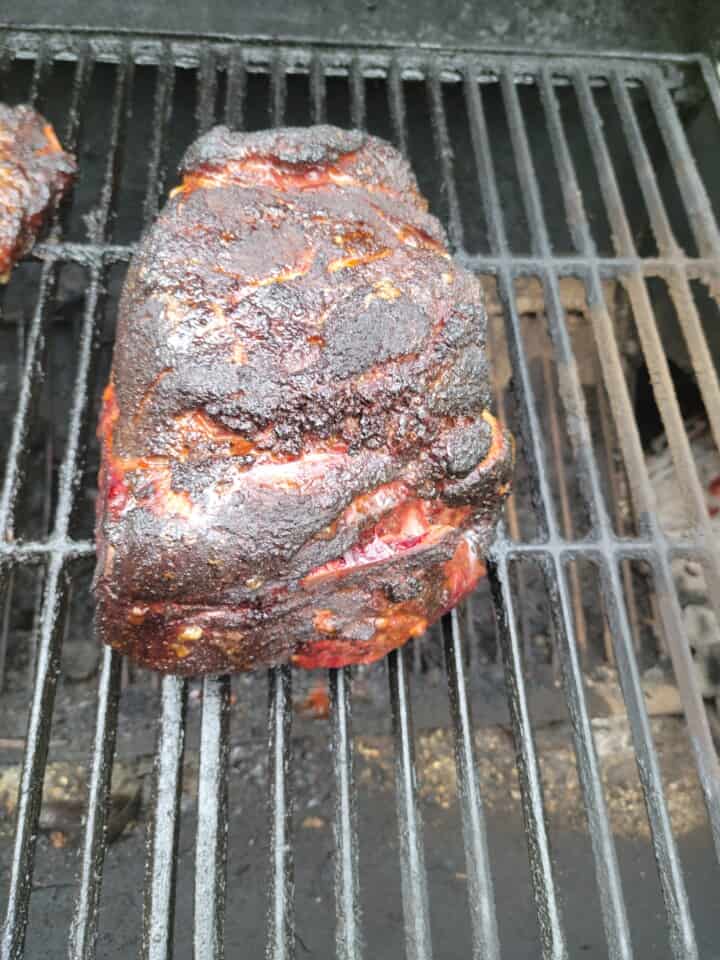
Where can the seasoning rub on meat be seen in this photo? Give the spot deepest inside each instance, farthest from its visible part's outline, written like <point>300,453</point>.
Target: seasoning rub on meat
<point>35,173</point>
<point>299,461</point>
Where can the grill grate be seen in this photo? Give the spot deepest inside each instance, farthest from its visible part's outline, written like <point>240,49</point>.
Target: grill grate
<point>224,71</point>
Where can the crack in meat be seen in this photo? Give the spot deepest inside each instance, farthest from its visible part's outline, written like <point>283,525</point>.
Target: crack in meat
<point>299,460</point>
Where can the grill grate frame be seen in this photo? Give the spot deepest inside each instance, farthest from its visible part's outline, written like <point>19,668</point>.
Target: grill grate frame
<point>59,551</point>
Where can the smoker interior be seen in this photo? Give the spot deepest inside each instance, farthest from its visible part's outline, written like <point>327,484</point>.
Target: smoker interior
<point>508,785</point>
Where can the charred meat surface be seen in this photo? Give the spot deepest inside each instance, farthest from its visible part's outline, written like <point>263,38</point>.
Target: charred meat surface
<point>35,172</point>
<point>299,459</point>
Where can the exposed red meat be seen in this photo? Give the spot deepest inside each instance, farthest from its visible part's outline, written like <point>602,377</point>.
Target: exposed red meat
<point>299,461</point>
<point>35,172</point>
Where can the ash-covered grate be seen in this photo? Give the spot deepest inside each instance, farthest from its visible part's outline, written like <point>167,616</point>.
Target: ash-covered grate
<point>571,185</point>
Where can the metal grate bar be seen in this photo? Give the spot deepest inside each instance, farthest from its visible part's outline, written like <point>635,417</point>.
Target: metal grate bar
<point>709,73</point>
<point>278,81</point>
<point>26,403</point>
<point>682,937</point>
<point>357,95</point>
<point>701,737</point>
<point>396,105</point>
<point>7,585</point>
<point>99,224</point>
<point>605,859</point>
<point>79,92</point>
<point>84,928</point>
<point>50,636</point>
<point>412,853</point>
<point>552,932</point>
<point>162,112</point>
<point>679,287</point>
<point>486,175</point>
<point>164,825</point>
<point>416,911</point>
<point>607,870</point>
<point>445,156</point>
<point>83,932</point>
<point>544,884</point>
<point>603,847</point>
<point>281,886</point>
<point>48,657</point>
<point>697,202</point>
<point>481,896</point>
<point>163,830</point>
<point>207,86</point>
<point>40,68</point>
<point>317,89</point>
<point>553,552</point>
<point>540,240</point>
<point>211,841</point>
<point>236,83</point>
<point>31,551</point>
<point>647,330</point>
<point>696,268</point>
<point>681,930</point>
<point>26,42</point>
<point>31,781</point>
<point>656,360</point>
<point>575,217</point>
<point>348,932</point>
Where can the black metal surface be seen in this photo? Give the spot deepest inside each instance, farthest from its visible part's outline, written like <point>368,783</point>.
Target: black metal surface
<point>281,883</point>
<point>348,930</point>
<point>481,898</point>
<point>223,65</point>
<point>211,843</point>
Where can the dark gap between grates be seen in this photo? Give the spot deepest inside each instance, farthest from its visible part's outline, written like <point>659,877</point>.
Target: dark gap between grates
<point>82,523</point>
<point>474,227</point>
<point>632,196</point>
<point>338,109</point>
<point>418,109</point>
<point>297,101</point>
<point>531,103</point>
<point>561,758</point>
<point>47,428</point>
<point>132,180</point>
<point>22,586</point>
<point>501,150</point>
<point>17,81</point>
<point>376,108</point>
<point>18,306</point>
<point>507,171</point>
<point>560,463</point>
<point>257,101</point>
<point>667,178</point>
<point>96,124</point>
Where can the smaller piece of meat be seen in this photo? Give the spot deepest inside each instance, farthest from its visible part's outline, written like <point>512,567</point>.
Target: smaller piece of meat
<point>35,173</point>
